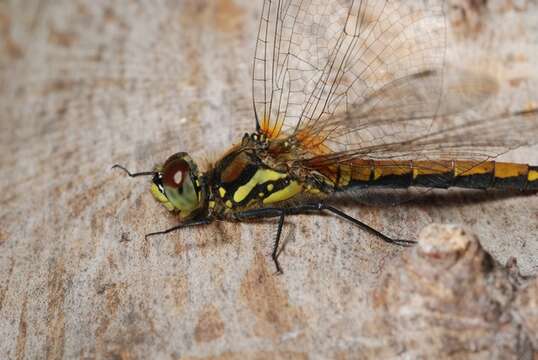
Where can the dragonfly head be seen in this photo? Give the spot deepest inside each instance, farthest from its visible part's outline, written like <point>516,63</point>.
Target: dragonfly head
<point>176,185</point>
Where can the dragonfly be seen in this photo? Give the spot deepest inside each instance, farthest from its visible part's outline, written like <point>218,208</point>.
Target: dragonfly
<point>350,96</point>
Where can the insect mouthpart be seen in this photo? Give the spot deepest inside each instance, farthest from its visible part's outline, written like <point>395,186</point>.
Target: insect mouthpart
<point>157,190</point>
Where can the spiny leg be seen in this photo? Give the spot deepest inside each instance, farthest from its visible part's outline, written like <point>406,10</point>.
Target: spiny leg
<point>318,207</point>
<point>269,213</point>
<point>274,255</point>
<point>180,226</point>
<point>371,230</point>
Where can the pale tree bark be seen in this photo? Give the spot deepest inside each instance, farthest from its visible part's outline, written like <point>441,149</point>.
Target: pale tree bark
<point>87,84</point>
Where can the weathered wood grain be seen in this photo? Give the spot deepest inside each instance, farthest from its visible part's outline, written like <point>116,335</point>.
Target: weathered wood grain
<point>87,84</point>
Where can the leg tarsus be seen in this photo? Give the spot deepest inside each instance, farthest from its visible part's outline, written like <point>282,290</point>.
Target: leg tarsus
<point>275,253</point>
<point>269,213</point>
<point>318,207</point>
<point>371,230</point>
<point>177,227</point>
<point>162,232</point>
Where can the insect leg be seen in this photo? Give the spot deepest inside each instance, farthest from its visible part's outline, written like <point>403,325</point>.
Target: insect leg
<point>320,207</point>
<point>364,226</point>
<point>274,255</point>
<point>308,208</point>
<point>268,213</point>
<point>180,226</point>
<point>143,173</point>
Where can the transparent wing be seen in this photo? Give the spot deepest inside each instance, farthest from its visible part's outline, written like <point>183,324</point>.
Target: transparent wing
<point>401,110</point>
<point>472,137</point>
<point>316,58</point>
<point>349,80</point>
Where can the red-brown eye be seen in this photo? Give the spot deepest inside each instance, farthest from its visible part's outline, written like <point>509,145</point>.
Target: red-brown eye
<point>174,172</point>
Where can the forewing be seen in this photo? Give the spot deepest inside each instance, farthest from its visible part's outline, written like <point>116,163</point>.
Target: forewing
<point>404,109</point>
<point>294,39</point>
<point>349,80</point>
<point>384,46</point>
<point>314,58</point>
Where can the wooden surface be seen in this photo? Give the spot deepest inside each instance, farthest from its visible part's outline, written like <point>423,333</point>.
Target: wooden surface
<point>87,84</point>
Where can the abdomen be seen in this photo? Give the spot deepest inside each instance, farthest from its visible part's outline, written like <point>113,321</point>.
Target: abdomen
<point>435,174</point>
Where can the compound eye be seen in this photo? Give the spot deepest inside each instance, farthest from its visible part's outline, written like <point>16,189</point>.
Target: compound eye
<point>175,172</point>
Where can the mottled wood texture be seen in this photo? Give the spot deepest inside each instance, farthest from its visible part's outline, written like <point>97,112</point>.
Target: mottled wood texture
<point>86,84</point>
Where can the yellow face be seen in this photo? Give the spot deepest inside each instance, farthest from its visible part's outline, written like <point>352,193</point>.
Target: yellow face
<point>176,185</point>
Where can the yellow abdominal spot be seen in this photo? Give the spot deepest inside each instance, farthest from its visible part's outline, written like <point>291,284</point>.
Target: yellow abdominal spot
<point>506,170</point>
<point>288,192</point>
<point>532,176</point>
<point>377,173</point>
<point>222,191</point>
<point>228,204</point>
<point>345,175</point>
<point>261,176</point>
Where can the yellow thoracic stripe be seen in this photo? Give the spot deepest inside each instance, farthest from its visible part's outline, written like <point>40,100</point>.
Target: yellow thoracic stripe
<point>289,191</point>
<point>261,176</point>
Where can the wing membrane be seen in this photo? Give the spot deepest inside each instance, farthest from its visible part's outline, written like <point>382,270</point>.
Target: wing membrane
<point>382,42</point>
<point>352,79</point>
<point>474,139</point>
<point>314,57</point>
<point>404,109</point>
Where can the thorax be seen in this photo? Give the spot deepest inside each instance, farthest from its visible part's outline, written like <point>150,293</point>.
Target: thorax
<point>241,180</point>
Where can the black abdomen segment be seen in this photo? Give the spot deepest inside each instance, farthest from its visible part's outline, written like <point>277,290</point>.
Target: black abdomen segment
<point>437,174</point>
